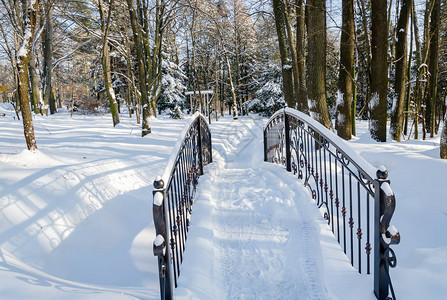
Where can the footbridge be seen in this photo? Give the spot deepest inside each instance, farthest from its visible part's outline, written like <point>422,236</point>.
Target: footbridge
<point>259,235</point>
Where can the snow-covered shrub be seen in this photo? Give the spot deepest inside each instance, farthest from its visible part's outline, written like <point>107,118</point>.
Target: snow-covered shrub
<point>176,112</point>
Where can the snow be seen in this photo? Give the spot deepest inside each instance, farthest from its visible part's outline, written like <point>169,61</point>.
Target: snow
<point>418,181</point>
<point>23,51</point>
<point>339,101</point>
<point>385,187</point>
<point>76,215</point>
<point>159,240</point>
<point>158,199</point>
<point>374,102</point>
<point>253,233</point>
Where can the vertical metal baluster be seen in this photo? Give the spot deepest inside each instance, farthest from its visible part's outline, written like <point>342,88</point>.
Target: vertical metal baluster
<point>343,210</point>
<point>287,142</point>
<point>359,230</point>
<point>174,215</point>
<point>176,210</point>
<point>199,148</point>
<point>172,241</point>
<point>265,133</point>
<point>306,156</point>
<point>368,241</point>
<point>314,169</point>
<point>180,192</point>
<point>184,183</point>
<point>351,219</point>
<point>337,199</point>
<point>331,193</point>
<point>320,178</point>
<point>325,179</point>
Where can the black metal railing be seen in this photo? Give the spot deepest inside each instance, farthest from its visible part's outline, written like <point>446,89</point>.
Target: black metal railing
<point>355,199</point>
<point>173,197</point>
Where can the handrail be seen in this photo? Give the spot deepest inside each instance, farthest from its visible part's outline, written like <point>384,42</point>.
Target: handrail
<point>343,185</point>
<point>173,197</point>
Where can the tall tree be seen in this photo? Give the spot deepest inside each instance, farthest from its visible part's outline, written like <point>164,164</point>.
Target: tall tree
<point>31,9</point>
<point>286,62</point>
<point>142,77</point>
<point>301,92</point>
<point>379,65</point>
<point>47,48</point>
<point>443,150</point>
<point>400,80</point>
<point>345,83</point>
<point>316,61</point>
<point>433,67</point>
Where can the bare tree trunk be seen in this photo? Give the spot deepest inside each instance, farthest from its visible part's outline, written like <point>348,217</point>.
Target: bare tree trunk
<point>146,127</point>
<point>233,94</point>
<point>316,61</point>
<point>302,92</point>
<point>426,107</point>
<point>409,65</point>
<point>22,67</point>
<point>397,114</point>
<point>379,82</point>
<point>47,48</point>
<point>443,150</point>
<point>291,42</point>
<point>106,62</point>
<point>34,82</point>
<point>433,67</point>
<point>345,83</point>
<point>287,76</point>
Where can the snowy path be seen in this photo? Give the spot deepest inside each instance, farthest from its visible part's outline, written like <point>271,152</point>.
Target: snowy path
<point>253,232</point>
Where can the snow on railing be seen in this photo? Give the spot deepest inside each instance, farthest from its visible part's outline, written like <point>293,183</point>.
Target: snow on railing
<point>355,198</point>
<point>173,197</point>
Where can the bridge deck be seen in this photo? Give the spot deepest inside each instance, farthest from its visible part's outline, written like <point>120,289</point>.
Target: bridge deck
<point>255,233</point>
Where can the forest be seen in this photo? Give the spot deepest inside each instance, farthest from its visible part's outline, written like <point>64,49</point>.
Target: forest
<point>338,61</point>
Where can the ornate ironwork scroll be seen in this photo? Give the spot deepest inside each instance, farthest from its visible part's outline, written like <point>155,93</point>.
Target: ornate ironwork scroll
<point>357,205</point>
<point>173,198</point>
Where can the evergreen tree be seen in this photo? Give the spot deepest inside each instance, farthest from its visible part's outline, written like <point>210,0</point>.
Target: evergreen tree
<point>172,95</point>
<point>269,96</point>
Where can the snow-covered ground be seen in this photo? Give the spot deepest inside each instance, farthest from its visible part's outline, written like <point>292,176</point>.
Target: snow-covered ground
<point>419,180</point>
<point>76,216</point>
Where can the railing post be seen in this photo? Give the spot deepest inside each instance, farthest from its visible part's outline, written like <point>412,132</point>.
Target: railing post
<point>385,203</point>
<point>159,247</point>
<point>265,144</point>
<point>199,146</point>
<point>287,137</point>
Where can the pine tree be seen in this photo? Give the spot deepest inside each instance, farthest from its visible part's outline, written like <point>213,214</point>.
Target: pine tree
<point>172,95</point>
<point>269,95</point>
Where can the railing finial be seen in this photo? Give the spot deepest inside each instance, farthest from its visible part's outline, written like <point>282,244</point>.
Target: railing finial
<point>382,173</point>
<point>159,183</point>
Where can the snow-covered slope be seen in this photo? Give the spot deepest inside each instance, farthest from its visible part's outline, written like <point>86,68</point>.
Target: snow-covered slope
<point>76,216</point>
